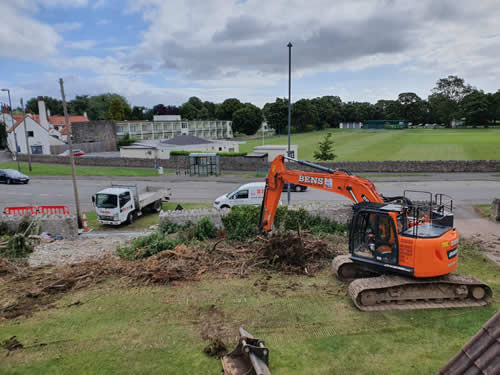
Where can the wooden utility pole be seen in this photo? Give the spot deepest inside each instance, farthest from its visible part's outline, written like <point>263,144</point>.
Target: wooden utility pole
<point>69,131</point>
<point>28,151</point>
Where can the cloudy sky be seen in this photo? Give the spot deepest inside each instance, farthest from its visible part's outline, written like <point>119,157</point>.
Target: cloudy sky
<point>164,51</point>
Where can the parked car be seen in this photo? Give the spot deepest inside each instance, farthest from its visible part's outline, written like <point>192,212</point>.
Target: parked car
<point>76,152</point>
<point>294,187</point>
<point>11,176</point>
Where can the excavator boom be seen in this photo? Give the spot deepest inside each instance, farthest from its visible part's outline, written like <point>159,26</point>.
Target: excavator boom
<point>341,182</point>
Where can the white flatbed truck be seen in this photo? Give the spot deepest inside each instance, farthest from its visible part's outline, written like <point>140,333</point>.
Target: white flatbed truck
<point>123,203</point>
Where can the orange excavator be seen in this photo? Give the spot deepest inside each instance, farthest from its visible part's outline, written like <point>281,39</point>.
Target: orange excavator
<point>401,252</point>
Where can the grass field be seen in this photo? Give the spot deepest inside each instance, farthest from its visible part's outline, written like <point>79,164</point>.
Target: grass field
<point>144,221</point>
<point>410,144</point>
<point>309,324</point>
<point>41,169</point>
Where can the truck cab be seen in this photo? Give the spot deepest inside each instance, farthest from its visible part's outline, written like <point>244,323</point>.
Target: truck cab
<point>114,206</point>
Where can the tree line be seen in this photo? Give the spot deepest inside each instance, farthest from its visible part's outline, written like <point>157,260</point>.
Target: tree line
<point>451,99</point>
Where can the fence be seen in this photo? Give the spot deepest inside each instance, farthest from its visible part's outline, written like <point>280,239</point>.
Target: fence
<point>34,210</point>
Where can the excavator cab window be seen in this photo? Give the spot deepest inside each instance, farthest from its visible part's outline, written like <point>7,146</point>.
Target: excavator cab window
<point>373,235</point>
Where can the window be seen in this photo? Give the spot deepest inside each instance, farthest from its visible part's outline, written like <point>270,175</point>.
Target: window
<point>124,198</point>
<point>184,125</point>
<point>220,148</point>
<point>30,133</point>
<point>242,194</point>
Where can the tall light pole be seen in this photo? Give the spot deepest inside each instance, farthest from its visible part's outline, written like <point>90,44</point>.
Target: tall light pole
<point>26,136</point>
<point>289,45</point>
<point>13,130</point>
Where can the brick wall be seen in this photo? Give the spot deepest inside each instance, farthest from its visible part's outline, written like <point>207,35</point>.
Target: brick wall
<point>241,163</point>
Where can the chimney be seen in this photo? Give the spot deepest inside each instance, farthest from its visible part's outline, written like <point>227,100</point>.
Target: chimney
<point>42,113</point>
<point>85,115</point>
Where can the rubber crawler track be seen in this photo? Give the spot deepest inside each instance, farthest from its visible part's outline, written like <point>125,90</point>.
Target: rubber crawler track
<point>382,284</point>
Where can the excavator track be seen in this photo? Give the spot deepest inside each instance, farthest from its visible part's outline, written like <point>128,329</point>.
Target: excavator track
<point>390,292</point>
<point>372,292</point>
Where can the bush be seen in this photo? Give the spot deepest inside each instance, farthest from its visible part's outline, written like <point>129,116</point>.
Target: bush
<point>145,246</point>
<point>167,227</point>
<point>242,222</point>
<point>180,153</point>
<point>125,140</point>
<point>205,229</point>
<point>4,229</point>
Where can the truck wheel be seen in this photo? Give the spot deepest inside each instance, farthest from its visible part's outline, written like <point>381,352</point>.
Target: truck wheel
<point>298,188</point>
<point>225,206</point>
<point>8,181</point>
<point>157,206</point>
<point>130,218</point>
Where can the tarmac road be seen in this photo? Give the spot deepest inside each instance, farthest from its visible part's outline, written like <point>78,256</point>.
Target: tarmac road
<point>59,191</point>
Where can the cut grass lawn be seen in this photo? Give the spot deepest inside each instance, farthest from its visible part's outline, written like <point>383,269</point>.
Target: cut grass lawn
<point>42,169</point>
<point>309,324</point>
<point>143,222</point>
<point>408,144</point>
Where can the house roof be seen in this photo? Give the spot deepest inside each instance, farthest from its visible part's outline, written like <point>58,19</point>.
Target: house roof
<point>480,355</point>
<point>185,140</point>
<point>54,120</point>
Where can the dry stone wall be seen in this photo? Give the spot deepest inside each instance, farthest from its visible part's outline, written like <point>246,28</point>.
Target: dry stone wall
<point>241,163</point>
<point>64,225</point>
<point>495,209</point>
<point>339,212</point>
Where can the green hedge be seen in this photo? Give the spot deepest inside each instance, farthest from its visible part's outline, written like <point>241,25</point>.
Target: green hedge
<point>232,154</point>
<point>187,153</point>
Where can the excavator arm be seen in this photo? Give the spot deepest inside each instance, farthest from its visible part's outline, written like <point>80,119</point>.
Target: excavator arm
<point>333,180</point>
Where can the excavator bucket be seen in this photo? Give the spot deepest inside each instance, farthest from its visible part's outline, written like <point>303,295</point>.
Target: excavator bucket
<point>250,357</point>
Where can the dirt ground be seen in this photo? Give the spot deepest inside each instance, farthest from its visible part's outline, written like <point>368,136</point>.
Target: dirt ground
<point>25,289</point>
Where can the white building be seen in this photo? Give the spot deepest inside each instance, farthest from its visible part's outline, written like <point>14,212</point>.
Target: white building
<point>43,130</point>
<point>162,149</point>
<point>274,150</point>
<point>168,127</point>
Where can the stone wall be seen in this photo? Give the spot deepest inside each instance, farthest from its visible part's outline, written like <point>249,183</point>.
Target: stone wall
<point>88,147</point>
<point>95,131</point>
<point>241,163</point>
<point>65,225</point>
<point>340,212</point>
<point>495,210</point>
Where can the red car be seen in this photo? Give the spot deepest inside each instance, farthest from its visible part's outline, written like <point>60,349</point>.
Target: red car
<point>76,152</point>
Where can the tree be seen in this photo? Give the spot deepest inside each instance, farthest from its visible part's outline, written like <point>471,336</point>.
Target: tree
<point>188,111</point>
<point>388,110</point>
<point>475,108</point>
<point>328,109</point>
<point>137,113</point>
<point>442,109</point>
<point>325,151</point>
<point>211,110</point>
<point>452,87</point>
<point>227,108</point>
<point>99,106</point>
<point>412,107</point>
<point>51,104</point>
<point>115,111</point>
<point>277,114</point>
<point>3,135</point>
<point>79,105</point>
<point>247,119</point>
<point>304,113</point>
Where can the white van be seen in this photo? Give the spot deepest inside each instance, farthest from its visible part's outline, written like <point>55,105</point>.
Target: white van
<point>247,194</point>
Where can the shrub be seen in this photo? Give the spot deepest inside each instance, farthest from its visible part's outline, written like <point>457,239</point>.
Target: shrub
<point>125,140</point>
<point>179,153</point>
<point>205,229</point>
<point>4,229</point>
<point>167,227</point>
<point>242,222</point>
<point>145,246</point>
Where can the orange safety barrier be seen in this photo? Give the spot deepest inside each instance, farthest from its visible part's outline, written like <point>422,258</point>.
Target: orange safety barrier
<point>53,210</point>
<point>34,210</point>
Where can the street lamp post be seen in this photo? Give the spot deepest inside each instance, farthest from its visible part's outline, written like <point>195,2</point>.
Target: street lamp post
<point>13,130</point>
<point>26,136</point>
<point>289,45</point>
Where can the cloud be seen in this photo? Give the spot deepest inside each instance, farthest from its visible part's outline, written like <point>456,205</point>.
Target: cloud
<point>23,37</point>
<point>100,4</point>
<point>207,40</point>
<point>67,26</point>
<point>81,44</point>
<point>103,21</point>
